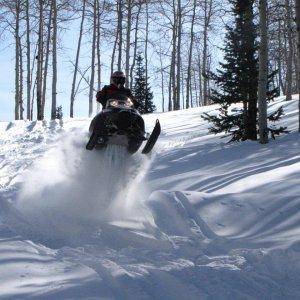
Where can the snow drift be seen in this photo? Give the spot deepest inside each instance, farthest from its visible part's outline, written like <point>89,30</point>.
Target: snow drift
<point>199,219</point>
<point>70,189</point>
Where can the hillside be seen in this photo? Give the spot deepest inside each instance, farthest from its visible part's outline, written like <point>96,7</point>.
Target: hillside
<point>198,219</point>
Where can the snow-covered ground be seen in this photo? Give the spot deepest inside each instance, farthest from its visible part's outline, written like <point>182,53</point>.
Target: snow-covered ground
<point>198,219</point>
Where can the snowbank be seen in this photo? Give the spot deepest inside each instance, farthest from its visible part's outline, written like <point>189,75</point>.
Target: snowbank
<point>198,219</point>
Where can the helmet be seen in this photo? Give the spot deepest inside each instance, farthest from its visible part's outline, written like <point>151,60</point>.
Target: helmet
<point>118,78</point>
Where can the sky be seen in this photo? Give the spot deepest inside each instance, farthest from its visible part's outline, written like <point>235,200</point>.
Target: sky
<point>65,73</point>
<point>63,85</point>
<point>68,39</point>
<point>6,84</point>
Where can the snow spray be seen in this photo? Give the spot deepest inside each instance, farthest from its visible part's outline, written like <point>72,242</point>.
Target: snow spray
<point>70,189</point>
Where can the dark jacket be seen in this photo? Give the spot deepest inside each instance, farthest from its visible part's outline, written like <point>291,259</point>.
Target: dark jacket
<point>111,91</point>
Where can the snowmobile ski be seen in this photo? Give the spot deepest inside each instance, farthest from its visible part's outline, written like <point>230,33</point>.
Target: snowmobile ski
<point>92,141</point>
<point>153,138</point>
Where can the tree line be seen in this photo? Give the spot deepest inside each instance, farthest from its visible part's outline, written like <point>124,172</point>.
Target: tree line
<point>255,69</point>
<point>178,39</point>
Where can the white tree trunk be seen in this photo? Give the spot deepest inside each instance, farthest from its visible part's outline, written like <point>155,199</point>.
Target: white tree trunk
<point>189,71</point>
<point>40,54</point>
<point>21,80</point>
<point>47,54</point>
<point>120,33</point>
<point>200,101</point>
<point>172,82</point>
<point>72,98</point>
<point>112,63</point>
<point>195,88</point>
<point>298,49</point>
<point>146,50</point>
<point>207,19</point>
<point>279,60</point>
<point>162,80</point>
<point>28,49</point>
<point>33,80</point>
<point>128,35</point>
<point>54,61</point>
<point>92,79</point>
<point>136,30</point>
<point>98,52</point>
<point>178,77</point>
<point>289,71</point>
<point>17,60</point>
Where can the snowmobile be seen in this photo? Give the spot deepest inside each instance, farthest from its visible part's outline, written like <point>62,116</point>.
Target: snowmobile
<point>120,123</point>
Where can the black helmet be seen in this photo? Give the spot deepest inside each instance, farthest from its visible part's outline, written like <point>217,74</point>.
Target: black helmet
<point>118,78</point>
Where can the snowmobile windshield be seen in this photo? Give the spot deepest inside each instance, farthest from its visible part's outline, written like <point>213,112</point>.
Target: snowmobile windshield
<point>120,103</point>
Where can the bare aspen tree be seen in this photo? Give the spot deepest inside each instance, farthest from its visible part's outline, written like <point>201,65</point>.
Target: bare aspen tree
<point>98,52</point>
<point>195,89</point>
<point>113,54</point>
<point>128,36</point>
<point>136,30</point>
<point>282,46</point>
<point>146,49</point>
<point>32,100</point>
<point>178,64</point>
<point>116,41</point>
<point>17,60</point>
<point>28,61</point>
<point>54,60</point>
<point>39,73</point>
<point>92,79</point>
<point>182,88</point>
<point>295,63</point>
<point>263,73</point>
<point>33,64</point>
<point>281,84</point>
<point>120,33</point>
<point>188,79</point>
<point>168,14</point>
<point>289,71</point>
<point>297,2</point>
<point>47,54</point>
<point>21,70</point>
<point>199,63</point>
<point>162,81</point>
<point>72,98</point>
<point>207,19</point>
<point>172,79</point>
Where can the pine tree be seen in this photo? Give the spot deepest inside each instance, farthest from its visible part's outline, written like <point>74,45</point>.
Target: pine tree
<point>142,91</point>
<point>59,112</point>
<point>237,80</point>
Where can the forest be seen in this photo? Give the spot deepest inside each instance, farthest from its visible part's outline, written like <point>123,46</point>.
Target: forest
<point>182,43</point>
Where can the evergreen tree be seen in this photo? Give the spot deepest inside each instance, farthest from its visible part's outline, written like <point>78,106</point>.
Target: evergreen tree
<point>142,91</point>
<point>237,80</point>
<point>59,113</point>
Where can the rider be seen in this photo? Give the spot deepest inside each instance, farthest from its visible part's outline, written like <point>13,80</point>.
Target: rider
<point>116,88</point>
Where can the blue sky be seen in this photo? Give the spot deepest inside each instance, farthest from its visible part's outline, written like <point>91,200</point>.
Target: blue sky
<point>63,88</point>
<point>69,38</point>
<point>7,85</point>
